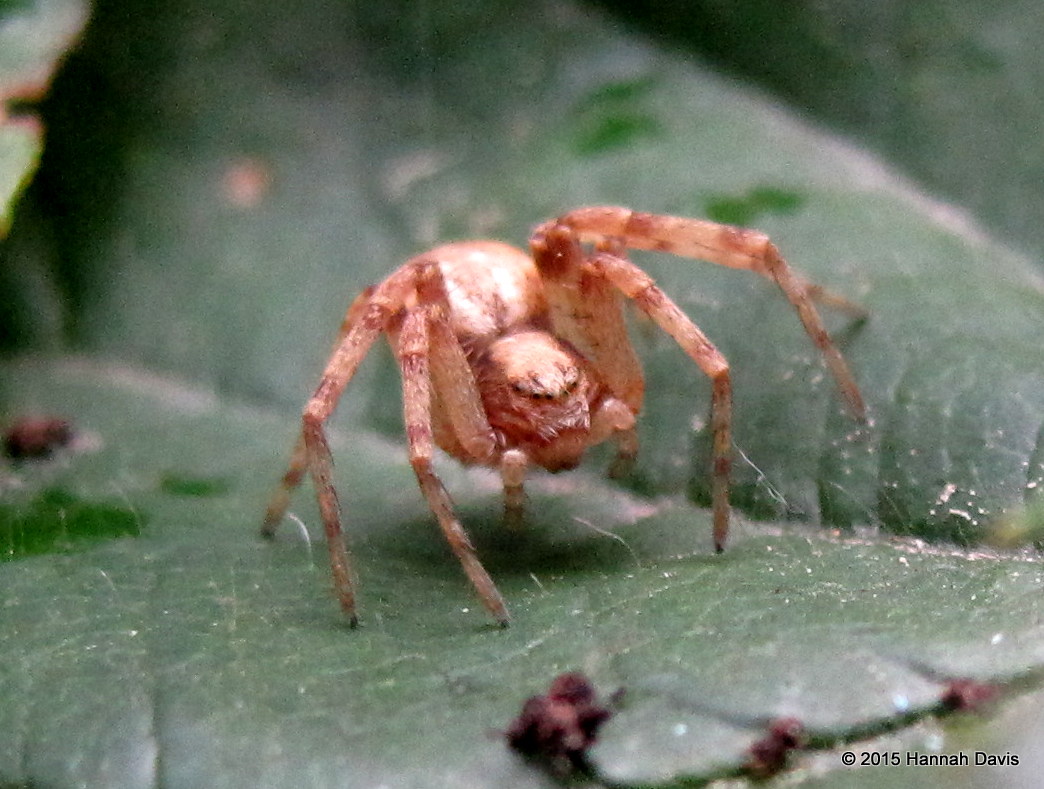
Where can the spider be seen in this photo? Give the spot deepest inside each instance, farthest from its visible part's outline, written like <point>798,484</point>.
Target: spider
<point>511,360</point>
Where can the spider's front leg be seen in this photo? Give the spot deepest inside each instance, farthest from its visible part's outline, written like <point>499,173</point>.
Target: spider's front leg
<point>626,451</point>
<point>365,321</point>
<point>584,294</point>
<point>638,286</point>
<point>414,352</point>
<point>725,245</point>
<point>513,466</point>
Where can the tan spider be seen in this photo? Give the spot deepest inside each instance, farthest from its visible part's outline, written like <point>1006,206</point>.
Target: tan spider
<point>510,360</point>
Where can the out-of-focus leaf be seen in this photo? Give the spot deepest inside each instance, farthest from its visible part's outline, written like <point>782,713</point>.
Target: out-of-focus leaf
<point>18,148</point>
<point>33,37</point>
<point>945,90</point>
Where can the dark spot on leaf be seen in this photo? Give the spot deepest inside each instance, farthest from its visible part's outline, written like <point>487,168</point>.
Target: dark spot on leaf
<point>746,209</point>
<point>57,520</point>
<point>200,487</point>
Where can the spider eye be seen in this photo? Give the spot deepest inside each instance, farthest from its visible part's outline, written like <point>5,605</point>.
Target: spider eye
<point>534,390</point>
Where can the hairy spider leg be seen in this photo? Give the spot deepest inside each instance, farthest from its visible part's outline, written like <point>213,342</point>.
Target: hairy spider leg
<point>365,321</point>
<point>416,353</point>
<point>638,286</point>
<point>730,246</point>
<point>280,499</point>
<point>428,353</point>
<point>589,285</point>
<point>513,467</point>
<point>585,309</point>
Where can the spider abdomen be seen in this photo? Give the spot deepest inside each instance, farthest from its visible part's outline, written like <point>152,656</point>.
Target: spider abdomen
<point>491,288</point>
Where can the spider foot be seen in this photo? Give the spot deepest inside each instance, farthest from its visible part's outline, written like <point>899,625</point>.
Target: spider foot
<point>274,516</point>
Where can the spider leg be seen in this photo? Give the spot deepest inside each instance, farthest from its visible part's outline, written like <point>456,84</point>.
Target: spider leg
<point>626,450</point>
<point>320,467</point>
<point>585,309</point>
<point>451,375</point>
<point>280,500</point>
<point>558,255</point>
<point>638,286</point>
<point>414,354</point>
<point>835,301</point>
<point>513,465</point>
<point>724,245</point>
<point>454,381</point>
<point>365,321</point>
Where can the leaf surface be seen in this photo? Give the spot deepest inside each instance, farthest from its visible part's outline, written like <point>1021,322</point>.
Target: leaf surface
<point>258,171</point>
<point>197,653</point>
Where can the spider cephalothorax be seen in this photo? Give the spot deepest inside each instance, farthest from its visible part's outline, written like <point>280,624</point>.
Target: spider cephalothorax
<point>512,360</point>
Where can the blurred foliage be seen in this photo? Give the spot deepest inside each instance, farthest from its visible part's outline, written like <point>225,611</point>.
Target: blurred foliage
<point>945,90</point>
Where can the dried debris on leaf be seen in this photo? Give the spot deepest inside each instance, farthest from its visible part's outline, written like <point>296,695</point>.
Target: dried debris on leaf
<point>36,437</point>
<point>968,695</point>
<point>560,725</point>
<point>769,755</point>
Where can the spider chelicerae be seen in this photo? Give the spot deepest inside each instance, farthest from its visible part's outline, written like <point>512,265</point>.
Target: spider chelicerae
<point>512,360</point>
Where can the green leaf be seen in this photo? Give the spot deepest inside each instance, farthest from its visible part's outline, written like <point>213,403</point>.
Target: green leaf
<point>248,171</point>
<point>198,654</point>
<point>56,519</point>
